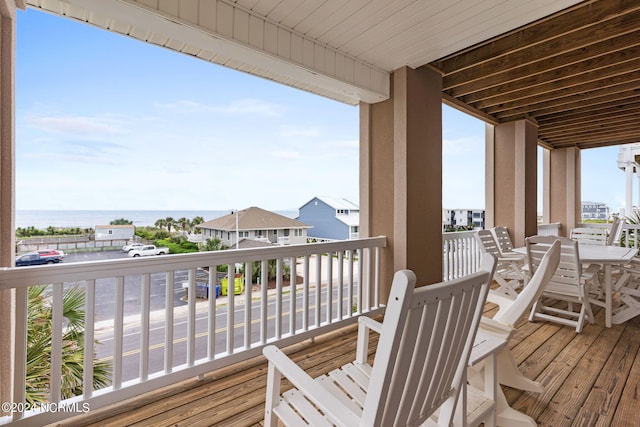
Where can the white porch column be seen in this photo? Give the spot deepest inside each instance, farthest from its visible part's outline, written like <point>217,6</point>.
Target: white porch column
<point>7,184</point>
<point>628,199</point>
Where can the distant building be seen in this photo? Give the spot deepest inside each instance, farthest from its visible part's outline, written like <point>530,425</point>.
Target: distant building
<point>114,232</point>
<point>463,218</point>
<point>595,210</point>
<point>331,218</point>
<point>254,224</point>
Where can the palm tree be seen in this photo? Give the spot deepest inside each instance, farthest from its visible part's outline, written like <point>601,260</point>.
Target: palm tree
<point>39,332</point>
<point>121,221</point>
<point>170,222</point>
<point>161,223</point>
<point>185,225</point>
<point>197,221</point>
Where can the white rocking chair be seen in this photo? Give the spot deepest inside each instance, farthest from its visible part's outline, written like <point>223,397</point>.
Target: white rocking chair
<point>419,367</point>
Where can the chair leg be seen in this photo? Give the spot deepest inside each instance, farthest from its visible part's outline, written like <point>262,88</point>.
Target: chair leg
<point>510,375</point>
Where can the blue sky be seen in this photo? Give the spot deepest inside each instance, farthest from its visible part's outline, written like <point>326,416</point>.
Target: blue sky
<point>108,122</point>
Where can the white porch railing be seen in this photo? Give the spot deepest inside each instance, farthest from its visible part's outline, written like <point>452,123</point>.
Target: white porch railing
<point>552,229</point>
<point>461,254</point>
<point>348,272</point>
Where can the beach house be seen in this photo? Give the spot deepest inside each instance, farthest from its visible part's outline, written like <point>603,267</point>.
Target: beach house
<point>254,224</point>
<point>114,232</point>
<point>332,218</point>
<point>559,76</point>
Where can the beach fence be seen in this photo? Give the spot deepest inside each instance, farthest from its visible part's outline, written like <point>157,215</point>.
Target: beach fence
<point>83,243</point>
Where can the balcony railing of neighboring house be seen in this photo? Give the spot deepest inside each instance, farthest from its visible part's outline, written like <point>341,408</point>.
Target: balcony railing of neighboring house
<point>198,342</point>
<point>284,240</point>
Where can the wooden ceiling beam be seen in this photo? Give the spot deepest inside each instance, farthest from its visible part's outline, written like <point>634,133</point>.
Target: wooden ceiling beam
<point>582,39</point>
<point>617,63</point>
<point>613,108</point>
<point>631,113</point>
<point>590,127</point>
<point>594,134</point>
<point>578,102</point>
<point>583,15</point>
<point>602,143</point>
<point>491,96</point>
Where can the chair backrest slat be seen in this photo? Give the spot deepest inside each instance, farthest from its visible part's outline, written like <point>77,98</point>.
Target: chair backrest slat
<point>424,346</point>
<point>589,235</point>
<point>566,278</point>
<point>502,237</point>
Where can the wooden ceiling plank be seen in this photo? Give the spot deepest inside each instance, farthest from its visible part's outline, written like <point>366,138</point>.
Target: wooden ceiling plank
<point>605,143</point>
<point>593,134</point>
<point>629,113</point>
<point>577,97</point>
<point>583,139</point>
<point>543,52</point>
<point>575,18</point>
<point>579,69</point>
<point>576,61</point>
<point>564,84</point>
<point>589,127</point>
<point>586,104</point>
<point>612,108</point>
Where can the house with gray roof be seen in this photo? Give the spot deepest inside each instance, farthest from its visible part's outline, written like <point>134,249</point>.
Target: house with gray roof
<point>254,224</point>
<point>332,218</point>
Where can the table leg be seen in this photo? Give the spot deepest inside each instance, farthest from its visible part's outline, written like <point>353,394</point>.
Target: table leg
<point>608,295</point>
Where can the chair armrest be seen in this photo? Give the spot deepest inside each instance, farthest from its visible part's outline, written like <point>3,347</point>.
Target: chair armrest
<point>367,322</point>
<point>495,327</point>
<point>315,392</point>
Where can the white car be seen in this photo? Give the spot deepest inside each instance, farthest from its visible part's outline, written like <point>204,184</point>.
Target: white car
<point>132,246</point>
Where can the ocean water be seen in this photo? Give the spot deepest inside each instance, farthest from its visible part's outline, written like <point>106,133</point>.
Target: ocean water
<point>42,219</point>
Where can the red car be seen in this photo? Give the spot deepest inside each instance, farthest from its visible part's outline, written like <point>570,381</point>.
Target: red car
<point>51,252</point>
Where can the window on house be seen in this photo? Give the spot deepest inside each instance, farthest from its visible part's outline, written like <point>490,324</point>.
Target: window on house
<point>297,232</point>
<point>243,234</point>
<point>259,233</point>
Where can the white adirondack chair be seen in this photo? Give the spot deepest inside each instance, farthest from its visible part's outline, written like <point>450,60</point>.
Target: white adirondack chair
<point>510,274</point>
<point>570,283</point>
<point>589,235</point>
<point>503,324</point>
<point>419,366</point>
<point>505,244</point>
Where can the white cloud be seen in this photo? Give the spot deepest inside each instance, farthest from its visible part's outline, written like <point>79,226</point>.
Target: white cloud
<point>246,106</point>
<point>83,126</point>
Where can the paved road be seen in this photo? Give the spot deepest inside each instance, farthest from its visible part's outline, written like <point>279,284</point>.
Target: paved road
<point>105,288</point>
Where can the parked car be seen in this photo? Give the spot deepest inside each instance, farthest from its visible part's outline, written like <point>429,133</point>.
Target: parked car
<point>36,259</point>
<point>148,250</point>
<point>132,246</point>
<point>51,252</point>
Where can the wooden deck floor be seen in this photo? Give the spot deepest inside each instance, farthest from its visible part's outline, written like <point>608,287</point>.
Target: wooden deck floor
<point>591,379</point>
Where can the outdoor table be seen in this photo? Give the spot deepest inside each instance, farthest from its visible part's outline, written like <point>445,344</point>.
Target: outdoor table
<point>607,256</point>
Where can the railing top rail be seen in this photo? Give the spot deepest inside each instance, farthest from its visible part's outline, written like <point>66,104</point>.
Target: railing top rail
<point>36,275</point>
